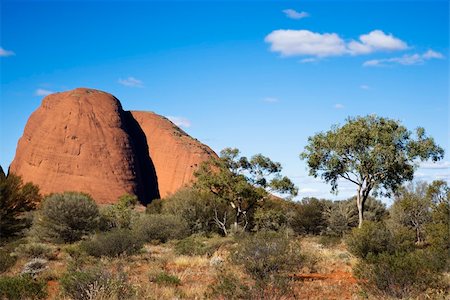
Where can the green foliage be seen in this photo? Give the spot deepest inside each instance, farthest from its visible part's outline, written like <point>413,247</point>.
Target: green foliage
<point>164,278</point>
<point>66,217</point>
<point>119,215</point>
<point>241,183</point>
<point>199,245</point>
<point>161,228</point>
<point>309,216</point>
<point>154,207</point>
<point>228,286</point>
<point>374,238</point>
<point>267,253</point>
<point>16,198</point>
<point>35,250</point>
<point>270,219</point>
<point>376,154</point>
<point>412,209</point>
<point>342,216</point>
<point>113,243</point>
<point>401,275</point>
<point>22,287</point>
<point>96,283</point>
<point>197,208</point>
<point>6,260</point>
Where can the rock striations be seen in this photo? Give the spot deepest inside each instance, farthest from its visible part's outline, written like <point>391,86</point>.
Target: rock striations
<point>82,140</point>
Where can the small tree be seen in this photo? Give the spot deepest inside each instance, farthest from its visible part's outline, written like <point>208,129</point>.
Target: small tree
<point>16,198</point>
<point>241,183</point>
<point>376,154</point>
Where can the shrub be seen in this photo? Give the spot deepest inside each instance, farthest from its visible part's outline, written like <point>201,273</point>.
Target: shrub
<point>270,219</point>
<point>161,228</point>
<point>67,217</point>
<point>371,238</point>
<point>200,245</point>
<point>154,207</point>
<point>6,260</point>
<point>227,286</point>
<point>194,207</point>
<point>119,215</point>
<point>95,283</point>
<point>35,250</point>
<point>16,198</point>
<point>22,287</point>
<point>35,266</point>
<point>308,216</point>
<point>164,278</point>
<point>399,275</point>
<point>329,240</point>
<point>112,243</point>
<point>267,253</point>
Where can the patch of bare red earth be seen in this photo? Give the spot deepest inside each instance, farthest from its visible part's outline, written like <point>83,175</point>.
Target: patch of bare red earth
<point>332,286</point>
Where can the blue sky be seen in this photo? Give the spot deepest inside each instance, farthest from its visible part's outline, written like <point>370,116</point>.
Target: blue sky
<point>261,76</point>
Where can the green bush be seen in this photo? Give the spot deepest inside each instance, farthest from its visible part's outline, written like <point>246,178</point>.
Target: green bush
<point>371,238</point>
<point>67,217</point>
<point>267,253</point>
<point>112,243</point>
<point>16,199</point>
<point>194,207</point>
<point>36,250</point>
<point>270,219</point>
<point>163,278</point>
<point>6,260</point>
<point>308,216</point>
<point>22,287</point>
<point>119,215</point>
<point>400,275</point>
<point>374,238</point>
<point>160,228</point>
<point>96,283</point>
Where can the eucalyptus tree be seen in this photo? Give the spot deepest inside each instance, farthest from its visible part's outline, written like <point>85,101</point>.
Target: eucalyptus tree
<point>241,183</point>
<point>376,154</point>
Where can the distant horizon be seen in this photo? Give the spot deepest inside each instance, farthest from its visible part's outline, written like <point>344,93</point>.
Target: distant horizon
<point>260,76</point>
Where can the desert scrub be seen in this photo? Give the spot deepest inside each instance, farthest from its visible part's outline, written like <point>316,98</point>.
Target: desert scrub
<point>66,218</point>
<point>36,250</point>
<point>164,278</point>
<point>22,287</point>
<point>96,283</point>
<point>227,286</point>
<point>267,253</point>
<point>6,260</point>
<point>161,228</point>
<point>35,266</point>
<point>400,275</point>
<point>200,245</point>
<point>112,244</point>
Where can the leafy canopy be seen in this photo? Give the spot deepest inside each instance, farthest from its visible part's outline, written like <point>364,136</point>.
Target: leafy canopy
<point>373,152</point>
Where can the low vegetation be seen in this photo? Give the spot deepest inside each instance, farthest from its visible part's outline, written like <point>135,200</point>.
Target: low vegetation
<point>228,237</point>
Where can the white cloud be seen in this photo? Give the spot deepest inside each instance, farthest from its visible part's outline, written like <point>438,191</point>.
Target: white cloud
<point>4,52</point>
<point>293,14</point>
<point>405,60</point>
<point>339,106</point>
<point>364,87</point>
<point>43,92</point>
<point>307,43</point>
<point>376,40</point>
<point>435,165</point>
<point>271,100</point>
<point>432,54</point>
<point>180,121</point>
<point>131,82</point>
<point>309,60</point>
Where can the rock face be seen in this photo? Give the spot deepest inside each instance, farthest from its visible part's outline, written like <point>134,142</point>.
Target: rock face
<point>82,140</point>
<point>174,153</point>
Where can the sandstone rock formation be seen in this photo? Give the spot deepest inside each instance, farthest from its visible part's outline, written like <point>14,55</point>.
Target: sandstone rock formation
<point>82,140</point>
<point>174,153</point>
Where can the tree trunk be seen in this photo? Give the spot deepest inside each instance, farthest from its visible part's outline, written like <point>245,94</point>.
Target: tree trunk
<point>359,204</point>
